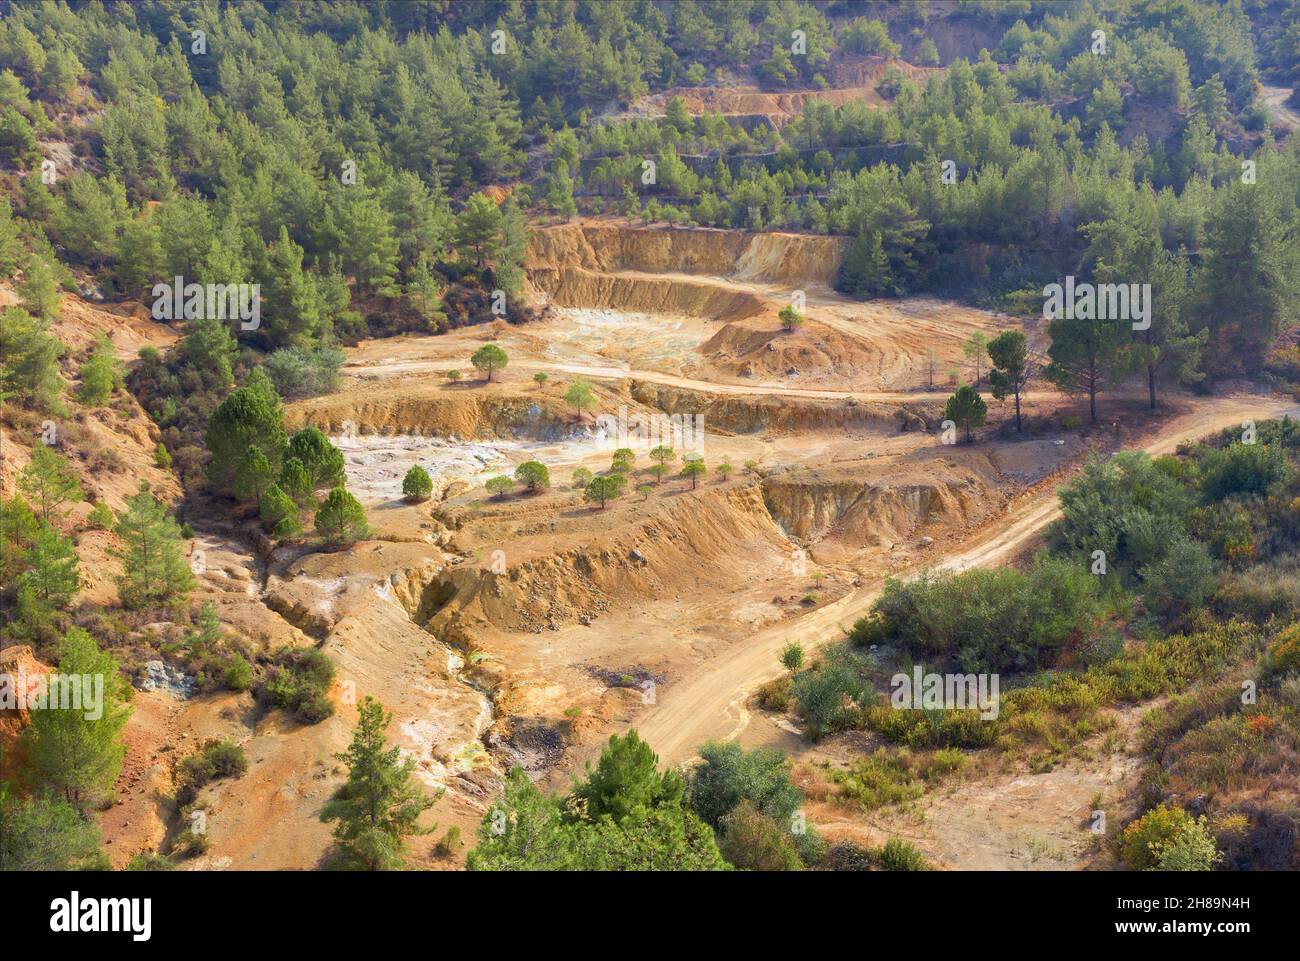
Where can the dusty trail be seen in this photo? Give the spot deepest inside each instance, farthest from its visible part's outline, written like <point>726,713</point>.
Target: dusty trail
<point>709,703</point>
<point>1282,113</point>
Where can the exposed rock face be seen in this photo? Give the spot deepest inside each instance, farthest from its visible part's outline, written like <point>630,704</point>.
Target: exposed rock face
<point>22,677</point>
<point>798,259</point>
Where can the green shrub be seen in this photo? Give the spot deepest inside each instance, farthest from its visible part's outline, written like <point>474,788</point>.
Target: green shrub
<point>299,682</point>
<point>214,760</point>
<point>239,674</point>
<point>753,841</point>
<point>101,517</point>
<point>1167,836</point>
<point>150,861</point>
<point>899,855</point>
<point>776,694</point>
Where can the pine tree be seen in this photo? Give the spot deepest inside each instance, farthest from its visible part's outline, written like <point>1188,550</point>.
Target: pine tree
<point>417,485</point>
<point>279,511</point>
<point>101,374</point>
<point>77,750</point>
<point>478,229</point>
<point>321,459</point>
<point>559,190</point>
<point>49,482</point>
<point>39,290</point>
<point>380,804</point>
<point>44,833</point>
<point>18,530</point>
<point>1084,355</point>
<point>489,358</point>
<point>154,570</point>
<point>1246,283</point>
<point>249,416</point>
<point>253,475</point>
<point>865,269</point>
<point>966,409</point>
<point>29,361</point>
<point>341,519</point>
<point>297,483</point>
<point>1009,356</point>
<point>51,573</point>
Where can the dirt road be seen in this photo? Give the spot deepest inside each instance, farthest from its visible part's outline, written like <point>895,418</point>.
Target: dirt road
<point>1282,113</point>
<point>709,703</point>
<point>382,369</point>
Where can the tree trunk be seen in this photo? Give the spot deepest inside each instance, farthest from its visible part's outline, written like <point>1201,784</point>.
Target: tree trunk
<point>1017,410</point>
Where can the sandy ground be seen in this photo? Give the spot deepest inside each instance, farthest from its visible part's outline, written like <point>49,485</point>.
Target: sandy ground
<point>526,629</point>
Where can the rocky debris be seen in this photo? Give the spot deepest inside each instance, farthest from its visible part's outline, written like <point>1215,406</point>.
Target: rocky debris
<point>160,676</point>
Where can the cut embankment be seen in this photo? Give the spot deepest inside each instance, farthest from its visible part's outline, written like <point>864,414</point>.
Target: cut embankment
<point>796,260</point>
<point>693,543</point>
<point>864,506</point>
<point>433,410</point>
<point>629,291</point>
<point>755,413</point>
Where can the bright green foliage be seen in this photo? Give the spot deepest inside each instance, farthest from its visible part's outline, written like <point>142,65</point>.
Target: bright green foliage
<point>790,318</point>
<point>731,775</point>
<point>534,475</point>
<point>48,482</point>
<point>280,512</point>
<point>1243,469</point>
<point>417,485</point>
<point>341,519</point>
<point>253,475</point>
<point>625,817</point>
<point>478,230</point>
<point>581,478</point>
<point>297,483</point>
<point>323,461</point>
<point>499,486</point>
<point>29,361</point>
<point>209,632</point>
<point>792,657</point>
<point>985,621</point>
<point>489,358</point>
<point>580,396</point>
<point>966,409</point>
<point>18,530</point>
<point>1167,834</point>
<point>694,468</point>
<point>899,855</point>
<point>38,291</point>
<point>101,374</point>
<point>101,517</point>
<point>627,777</point>
<point>45,833</point>
<point>624,460</point>
<point>601,490</point>
<point>250,416</point>
<point>154,569</point>
<point>77,750</point>
<point>380,804</point>
<point>51,573</point>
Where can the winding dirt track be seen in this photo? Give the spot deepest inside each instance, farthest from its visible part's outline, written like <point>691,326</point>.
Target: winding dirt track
<point>709,703</point>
